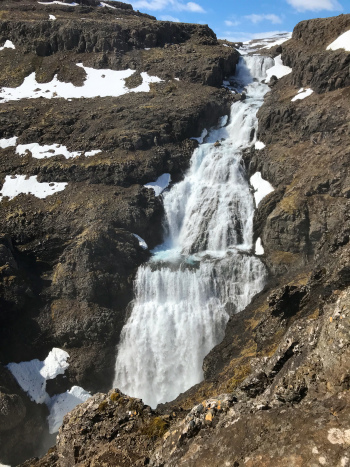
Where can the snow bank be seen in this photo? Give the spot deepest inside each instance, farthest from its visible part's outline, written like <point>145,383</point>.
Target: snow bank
<point>8,45</point>
<point>52,17</point>
<point>160,184</point>
<point>7,143</point>
<point>343,42</point>
<point>302,93</point>
<point>278,70</point>
<point>259,145</point>
<point>61,404</point>
<point>259,250</point>
<point>93,152</point>
<point>59,3</point>
<point>47,150</point>
<point>103,4</point>
<point>142,243</point>
<point>98,83</point>
<point>262,187</point>
<point>16,184</point>
<point>32,377</point>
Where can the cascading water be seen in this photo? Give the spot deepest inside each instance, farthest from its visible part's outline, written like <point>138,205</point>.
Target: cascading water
<point>205,270</point>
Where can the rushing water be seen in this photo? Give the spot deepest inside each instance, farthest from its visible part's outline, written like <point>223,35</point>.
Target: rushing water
<point>205,270</point>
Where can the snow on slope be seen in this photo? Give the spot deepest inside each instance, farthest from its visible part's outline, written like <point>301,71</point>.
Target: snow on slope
<point>279,70</point>
<point>262,187</point>
<point>32,377</point>
<point>8,142</point>
<point>342,42</point>
<point>98,83</point>
<point>8,45</point>
<point>17,184</point>
<point>61,404</point>
<point>302,93</point>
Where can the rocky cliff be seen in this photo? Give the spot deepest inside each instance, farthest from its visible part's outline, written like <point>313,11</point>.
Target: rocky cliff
<point>276,390</point>
<point>68,261</point>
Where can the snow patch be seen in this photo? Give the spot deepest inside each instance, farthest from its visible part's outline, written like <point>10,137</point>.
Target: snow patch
<point>61,404</point>
<point>259,249</point>
<point>32,376</point>
<point>59,3</point>
<point>302,93</point>
<point>279,70</point>
<point>8,45</point>
<point>343,42</point>
<point>262,187</point>
<point>259,145</point>
<point>142,242</point>
<point>98,83</point>
<point>16,184</point>
<point>160,184</point>
<point>93,152</point>
<point>47,150</point>
<point>103,4</point>
<point>7,143</point>
<point>52,17</point>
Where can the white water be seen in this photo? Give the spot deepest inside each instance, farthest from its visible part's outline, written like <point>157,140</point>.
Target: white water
<point>205,270</point>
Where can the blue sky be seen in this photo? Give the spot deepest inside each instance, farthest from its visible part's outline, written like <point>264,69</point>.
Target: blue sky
<point>242,19</point>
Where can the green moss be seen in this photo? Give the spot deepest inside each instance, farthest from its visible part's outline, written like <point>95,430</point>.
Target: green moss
<point>115,396</point>
<point>241,372</point>
<point>102,406</point>
<point>156,428</point>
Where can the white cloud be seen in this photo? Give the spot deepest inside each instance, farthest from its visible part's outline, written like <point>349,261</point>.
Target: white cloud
<point>315,5</point>
<point>269,17</point>
<point>232,23</point>
<point>176,5</point>
<point>169,18</point>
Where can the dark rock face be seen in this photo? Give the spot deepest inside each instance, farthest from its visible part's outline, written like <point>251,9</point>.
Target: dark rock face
<point>20,419</point>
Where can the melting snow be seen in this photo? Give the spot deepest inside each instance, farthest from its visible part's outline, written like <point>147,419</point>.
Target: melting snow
<point>160,184</point>
<point>98,83</point>
<point>262,187</point>
<point>343,42</point>
<point>47,150</point>
<point>8,142</point>
<point>142,243</point>
<point>59,3</point>
<point>106,5</point>
<point>8,45</point>
<point>52,17</point>
<point>302,93</point>
<point>279,70</point>
<point>32,377</point>
<point>259,250</point>
<point>61,404</point>
<point>259,145</point>
<point>16,184</point>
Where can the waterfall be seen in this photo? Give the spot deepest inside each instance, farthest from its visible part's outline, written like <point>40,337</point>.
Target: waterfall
<point>205,269</point>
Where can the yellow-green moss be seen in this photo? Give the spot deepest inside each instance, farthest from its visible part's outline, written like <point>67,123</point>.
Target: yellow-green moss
<point>102,406</point>
<point>241,373</point>
<point>156,428</point>
<point>115,396</point>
